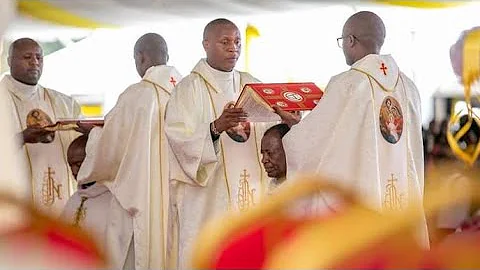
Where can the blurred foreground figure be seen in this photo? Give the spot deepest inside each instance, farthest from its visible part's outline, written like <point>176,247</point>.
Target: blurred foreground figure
<point>353,238</point>
<point>32,240</point>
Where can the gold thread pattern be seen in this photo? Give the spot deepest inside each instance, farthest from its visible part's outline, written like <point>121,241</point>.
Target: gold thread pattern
<point>50,190</point>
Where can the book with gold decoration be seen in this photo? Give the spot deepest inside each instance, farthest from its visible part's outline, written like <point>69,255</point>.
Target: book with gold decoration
<point>72,124</point>
<point>257,99</point>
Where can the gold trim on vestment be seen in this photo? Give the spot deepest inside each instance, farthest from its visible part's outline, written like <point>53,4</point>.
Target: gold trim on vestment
<point>157,85</point>
<point>46,96</point>
<point>164,248</point>
<point>81,213</point>
<point>405,111</point>
<point>381,86</point>
<point>207,84</point>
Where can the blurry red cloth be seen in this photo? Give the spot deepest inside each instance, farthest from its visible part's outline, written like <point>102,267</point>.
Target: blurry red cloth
<point>250,248</point>
<point>49,244</point>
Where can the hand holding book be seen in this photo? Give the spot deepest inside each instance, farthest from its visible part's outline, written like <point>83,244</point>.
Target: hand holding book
<point>80,125</point>
<point>230,118</point>
<point>289,118</point>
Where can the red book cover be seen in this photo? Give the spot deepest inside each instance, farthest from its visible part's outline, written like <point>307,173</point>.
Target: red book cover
<point>289,96</point>
<point>257,99</point>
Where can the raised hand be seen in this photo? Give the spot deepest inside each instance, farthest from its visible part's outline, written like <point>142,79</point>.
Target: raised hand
<point>84,128</point>
<point>289,118</point>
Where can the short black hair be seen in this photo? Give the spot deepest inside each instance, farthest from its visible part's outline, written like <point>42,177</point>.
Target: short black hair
<point>280,129</point>
<point>213,24</point>
<point>80,141</point>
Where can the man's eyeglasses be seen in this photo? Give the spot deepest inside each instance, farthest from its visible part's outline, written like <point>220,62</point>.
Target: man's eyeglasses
<point>339,40</point>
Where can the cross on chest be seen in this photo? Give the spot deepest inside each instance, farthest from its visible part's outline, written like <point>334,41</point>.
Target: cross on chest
<point>384,69</point>
<point>392,180</point>
<point>172,80</point>
<point>245,175</point>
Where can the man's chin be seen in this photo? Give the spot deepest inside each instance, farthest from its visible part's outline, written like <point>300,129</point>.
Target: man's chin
<point>229,67</point>
<point>32,80</point>
<point>272,175</point>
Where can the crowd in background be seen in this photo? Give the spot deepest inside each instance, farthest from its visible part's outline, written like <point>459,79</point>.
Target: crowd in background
<point>444,170</point>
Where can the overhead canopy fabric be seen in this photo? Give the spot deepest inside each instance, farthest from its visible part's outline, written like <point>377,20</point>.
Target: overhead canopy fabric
<point>111,13</point>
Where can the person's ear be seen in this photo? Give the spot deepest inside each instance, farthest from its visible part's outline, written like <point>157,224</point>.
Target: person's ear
<point>351,40</point>
<point>205,44</point>
<point>143,59</point>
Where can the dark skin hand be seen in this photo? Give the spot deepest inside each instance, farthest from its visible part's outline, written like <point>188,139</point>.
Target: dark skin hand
<point>289,118</point>
<point>230,118</point>
<point>37,135</point>
<point>84,128</point>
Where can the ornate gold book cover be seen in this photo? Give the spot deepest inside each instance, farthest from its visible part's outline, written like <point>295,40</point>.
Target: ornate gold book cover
<point>72,124</point>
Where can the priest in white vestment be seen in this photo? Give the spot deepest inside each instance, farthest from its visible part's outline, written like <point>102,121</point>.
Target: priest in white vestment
<point>129,155</point>
<point>32,107</point>
<point>366,132</point>
<point>92,204</point>
<point>212,169</point>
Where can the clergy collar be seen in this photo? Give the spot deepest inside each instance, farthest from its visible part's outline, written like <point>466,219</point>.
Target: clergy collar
<point>382,68</point>
<point>218,74</point>
<point>163,76</point>
<point>85,186</point>
<point>212,76</point>
<point>24,91</point>
<point>150,72</point>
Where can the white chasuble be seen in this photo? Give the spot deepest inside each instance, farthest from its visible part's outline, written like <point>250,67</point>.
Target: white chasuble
<point>208,178</point>
<point>129,155</point>
<point>51,180</point>
<point>88,208</point>
<point>365,134</point>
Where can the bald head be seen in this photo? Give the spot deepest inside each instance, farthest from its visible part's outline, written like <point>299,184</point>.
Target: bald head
<point>363,34</point>
<point>150,50</point>
<point>222,44</point>
<point>25,58</point>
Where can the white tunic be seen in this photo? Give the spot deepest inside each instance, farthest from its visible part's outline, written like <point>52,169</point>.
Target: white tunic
<point>366,134</point>
<point>129,156</point>
<point>208,178</point>
<point>88,208</point>
<point>47,168</point>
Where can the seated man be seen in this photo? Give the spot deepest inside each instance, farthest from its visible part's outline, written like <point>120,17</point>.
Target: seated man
<point>273,155</point>
<point>91,208</point>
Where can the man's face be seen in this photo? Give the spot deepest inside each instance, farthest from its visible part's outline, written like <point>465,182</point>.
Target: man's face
<point>26,63</point>
<point>223,46</point>
<point>75,158</point>
<point>273,156</point>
